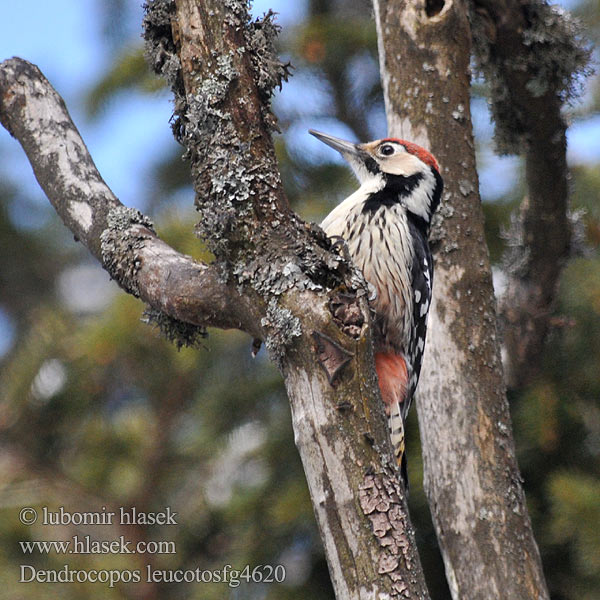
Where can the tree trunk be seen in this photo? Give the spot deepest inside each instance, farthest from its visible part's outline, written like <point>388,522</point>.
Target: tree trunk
<point>471,476</point>
<point>530,54</point>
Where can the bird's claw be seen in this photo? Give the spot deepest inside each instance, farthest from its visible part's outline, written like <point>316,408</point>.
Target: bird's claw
<point>338,243</point>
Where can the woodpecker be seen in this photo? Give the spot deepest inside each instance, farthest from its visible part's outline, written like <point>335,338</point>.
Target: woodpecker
<point>385,224</point>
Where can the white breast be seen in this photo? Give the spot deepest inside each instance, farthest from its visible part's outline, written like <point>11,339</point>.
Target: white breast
<point>379,244</point>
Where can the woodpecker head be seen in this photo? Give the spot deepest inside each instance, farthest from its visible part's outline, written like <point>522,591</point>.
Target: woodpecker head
<point>393,171</point>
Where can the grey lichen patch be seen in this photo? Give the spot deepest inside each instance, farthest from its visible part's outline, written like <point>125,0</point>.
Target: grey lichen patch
<point>229,178</point>
<point>438,234</point>
<point>238,13</point>
<point>466,187</point>
<point>281,328</point>
<point>380,498</point>
<point>161,53</point>
<point>214,89</point>
<point>517,257</point>
<point>579,244</point>
<point>274,277</point>
<point>119,245</point>
<point>298,263</point>
<point>159,50</point>
<point>205,119</point>
<point>269,71</point>
<point>553,56</point>
<point>180,333</point>
<point>226,181</point>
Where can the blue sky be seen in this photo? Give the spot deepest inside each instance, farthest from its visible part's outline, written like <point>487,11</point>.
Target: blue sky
<point>64,38</point>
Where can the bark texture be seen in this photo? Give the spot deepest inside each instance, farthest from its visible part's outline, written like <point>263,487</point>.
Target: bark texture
<point>471,475</point>
<point>273,276</point>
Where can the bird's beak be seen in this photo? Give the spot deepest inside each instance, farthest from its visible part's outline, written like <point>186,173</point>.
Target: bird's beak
<point>346,149</point>
<point>355,154</point>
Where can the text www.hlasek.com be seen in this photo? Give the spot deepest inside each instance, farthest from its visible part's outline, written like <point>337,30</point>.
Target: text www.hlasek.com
<point>86,545</point>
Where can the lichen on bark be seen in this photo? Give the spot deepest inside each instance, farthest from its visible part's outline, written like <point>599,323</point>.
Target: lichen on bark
<point>159,49</point>
<point>183,335</point>
<point>552,57</point>
<point>218,118</point>
<point>122,241</point>
<point>118,243</point>
<point>281,327</point>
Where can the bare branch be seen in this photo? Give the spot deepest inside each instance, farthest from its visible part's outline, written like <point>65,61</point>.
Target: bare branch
<point>531,56</point>
<point>122,239</point>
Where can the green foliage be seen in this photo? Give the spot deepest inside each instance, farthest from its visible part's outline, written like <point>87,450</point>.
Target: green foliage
<point>128,70</point>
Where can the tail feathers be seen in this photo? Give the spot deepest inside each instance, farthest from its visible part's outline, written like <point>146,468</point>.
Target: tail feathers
<point>393,383</point>
<point>396,427</point>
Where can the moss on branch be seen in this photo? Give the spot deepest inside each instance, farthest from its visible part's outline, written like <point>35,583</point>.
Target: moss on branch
<point>547,50</point>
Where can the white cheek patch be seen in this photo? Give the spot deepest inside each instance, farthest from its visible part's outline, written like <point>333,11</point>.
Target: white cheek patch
<point>419,201</point>
<point>407,165</point>
<point>402,164</point>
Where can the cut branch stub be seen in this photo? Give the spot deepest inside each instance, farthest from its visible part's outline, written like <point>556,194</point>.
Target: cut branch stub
<point>331,356</point>
<point>347,314</point>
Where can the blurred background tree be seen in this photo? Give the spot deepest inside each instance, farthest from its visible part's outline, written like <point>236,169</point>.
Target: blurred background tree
<point>98,410</point>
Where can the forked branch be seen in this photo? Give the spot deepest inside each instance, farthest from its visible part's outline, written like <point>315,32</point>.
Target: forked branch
<point>274,276</point>
<point>121,238</point>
